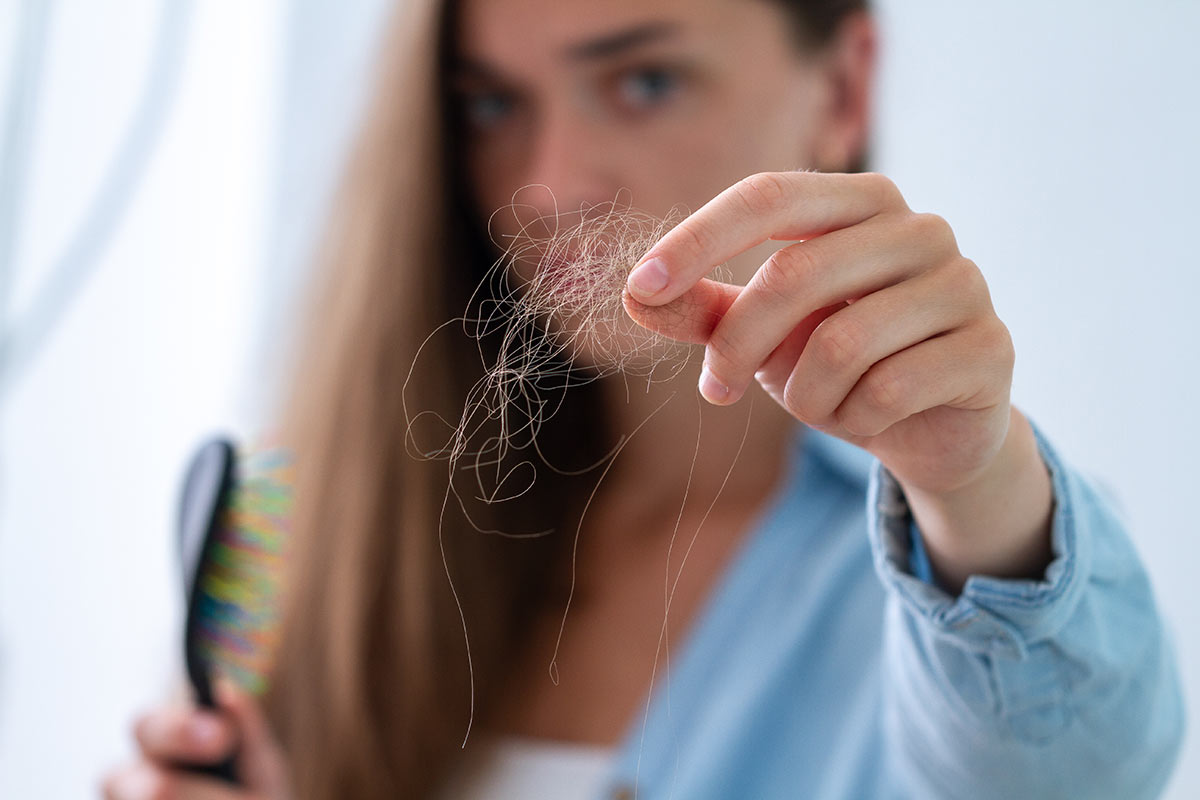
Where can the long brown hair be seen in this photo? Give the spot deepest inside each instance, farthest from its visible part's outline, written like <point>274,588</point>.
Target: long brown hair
<point>371,691</point>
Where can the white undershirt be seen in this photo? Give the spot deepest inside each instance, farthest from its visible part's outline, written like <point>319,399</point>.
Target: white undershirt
<point>523,768</point>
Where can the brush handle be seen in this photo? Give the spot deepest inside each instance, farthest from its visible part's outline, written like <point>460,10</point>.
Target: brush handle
<point>206,491</point>
<point>226,769</point>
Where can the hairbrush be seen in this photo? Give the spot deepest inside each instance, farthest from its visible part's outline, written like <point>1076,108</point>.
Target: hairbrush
<point>233,524</point>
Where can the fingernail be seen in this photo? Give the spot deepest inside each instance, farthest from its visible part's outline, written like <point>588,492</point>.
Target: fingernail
<point>204,730</point>
<point>713,390</point>
<point>649,278</point>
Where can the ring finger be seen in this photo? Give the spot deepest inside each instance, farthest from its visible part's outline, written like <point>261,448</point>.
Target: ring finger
<point>802,278</point>
<point>848,343</point>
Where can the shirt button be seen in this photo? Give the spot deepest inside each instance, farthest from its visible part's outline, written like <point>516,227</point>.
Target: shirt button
<point>622,792</point>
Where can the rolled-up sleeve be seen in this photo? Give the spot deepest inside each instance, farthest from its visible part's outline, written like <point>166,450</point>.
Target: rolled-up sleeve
<point>1065,686</point>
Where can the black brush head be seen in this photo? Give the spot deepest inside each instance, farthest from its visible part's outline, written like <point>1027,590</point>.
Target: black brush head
<point>206,490</point>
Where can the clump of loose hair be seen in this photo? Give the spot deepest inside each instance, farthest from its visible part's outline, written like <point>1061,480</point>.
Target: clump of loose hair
<point>552,308</point>
<point>576,290</point>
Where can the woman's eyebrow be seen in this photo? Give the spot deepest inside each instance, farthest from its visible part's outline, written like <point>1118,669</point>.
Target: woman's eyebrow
<point>619,41</point>
<point>598,47</point>
<point>469,68</point>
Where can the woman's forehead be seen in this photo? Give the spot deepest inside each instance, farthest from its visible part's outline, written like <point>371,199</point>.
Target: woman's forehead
<point>577,27</point>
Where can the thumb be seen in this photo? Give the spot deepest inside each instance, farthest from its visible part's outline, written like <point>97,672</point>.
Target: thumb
<point>261,763</point>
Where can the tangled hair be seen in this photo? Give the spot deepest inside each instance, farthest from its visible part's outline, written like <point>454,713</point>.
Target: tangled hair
<point>371,691</point>
<point>548,319</point>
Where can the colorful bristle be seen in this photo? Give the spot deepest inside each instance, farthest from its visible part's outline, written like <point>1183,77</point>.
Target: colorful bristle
<point>239,585</point>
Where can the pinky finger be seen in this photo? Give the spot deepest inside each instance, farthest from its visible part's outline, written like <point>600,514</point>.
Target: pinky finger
<point>964,369</point>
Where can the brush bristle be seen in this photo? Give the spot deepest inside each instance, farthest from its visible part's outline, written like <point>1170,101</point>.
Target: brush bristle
<point>237,623</point>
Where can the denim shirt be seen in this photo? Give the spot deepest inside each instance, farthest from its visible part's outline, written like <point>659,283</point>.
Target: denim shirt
<point>827,664</point>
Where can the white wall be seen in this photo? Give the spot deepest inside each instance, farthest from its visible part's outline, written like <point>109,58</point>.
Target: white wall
<point>94,434</point>
<point>1060,141</point>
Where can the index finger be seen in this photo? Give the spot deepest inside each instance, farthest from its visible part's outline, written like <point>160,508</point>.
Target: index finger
<point>769,205</point>
<point>186,734</point>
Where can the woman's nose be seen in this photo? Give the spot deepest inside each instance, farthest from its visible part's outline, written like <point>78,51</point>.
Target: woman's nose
<point>568,165</point>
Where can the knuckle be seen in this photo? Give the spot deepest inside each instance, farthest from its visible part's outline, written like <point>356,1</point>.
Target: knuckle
<point>697,236</point>
<point>801,404</point>
<point>883,390</point>
<point>799,400</point>
<point>968,284</point>
<point>788,272</point>
<point>762,192</point>
<point>723,348</point>
<point>934,230</point>
<point>884,188</point>
<point>838,344</point>
<point>969,272</point>
<point>857,418</point>
<point>1001,343</point>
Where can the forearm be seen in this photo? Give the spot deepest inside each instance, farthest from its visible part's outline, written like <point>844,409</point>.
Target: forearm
<point>997,525</point>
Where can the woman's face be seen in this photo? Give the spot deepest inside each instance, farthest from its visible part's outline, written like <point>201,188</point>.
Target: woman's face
<point>660,104</point>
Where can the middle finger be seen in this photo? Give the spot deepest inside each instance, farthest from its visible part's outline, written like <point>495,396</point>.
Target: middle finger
<point>802,278</point>
<point>850,342</point>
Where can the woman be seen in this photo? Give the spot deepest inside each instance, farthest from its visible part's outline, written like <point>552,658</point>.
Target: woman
<point>984,629</point>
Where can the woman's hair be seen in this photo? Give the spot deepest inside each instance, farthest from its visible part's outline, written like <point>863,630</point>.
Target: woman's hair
<point>371,692</point>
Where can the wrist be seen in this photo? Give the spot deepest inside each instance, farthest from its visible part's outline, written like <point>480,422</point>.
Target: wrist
<point>998,524</point>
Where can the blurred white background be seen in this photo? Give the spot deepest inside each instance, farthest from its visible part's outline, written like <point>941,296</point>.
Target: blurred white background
<point>1060,141</point>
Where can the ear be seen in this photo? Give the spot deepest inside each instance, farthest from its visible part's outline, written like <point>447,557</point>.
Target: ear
<point>850,62</point>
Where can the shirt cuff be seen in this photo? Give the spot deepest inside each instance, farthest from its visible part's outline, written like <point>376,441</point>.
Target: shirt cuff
<point>1001,616</point>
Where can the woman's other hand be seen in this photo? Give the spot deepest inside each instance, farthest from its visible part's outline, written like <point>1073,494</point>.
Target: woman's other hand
<point>169,735</point>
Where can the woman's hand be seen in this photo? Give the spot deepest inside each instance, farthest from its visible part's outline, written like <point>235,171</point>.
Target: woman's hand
<point>172,734</point>
<point>874,329</point>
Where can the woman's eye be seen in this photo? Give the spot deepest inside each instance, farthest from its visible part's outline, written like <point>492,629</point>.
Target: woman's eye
<point>485,109</point>
<point>647,87</point>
